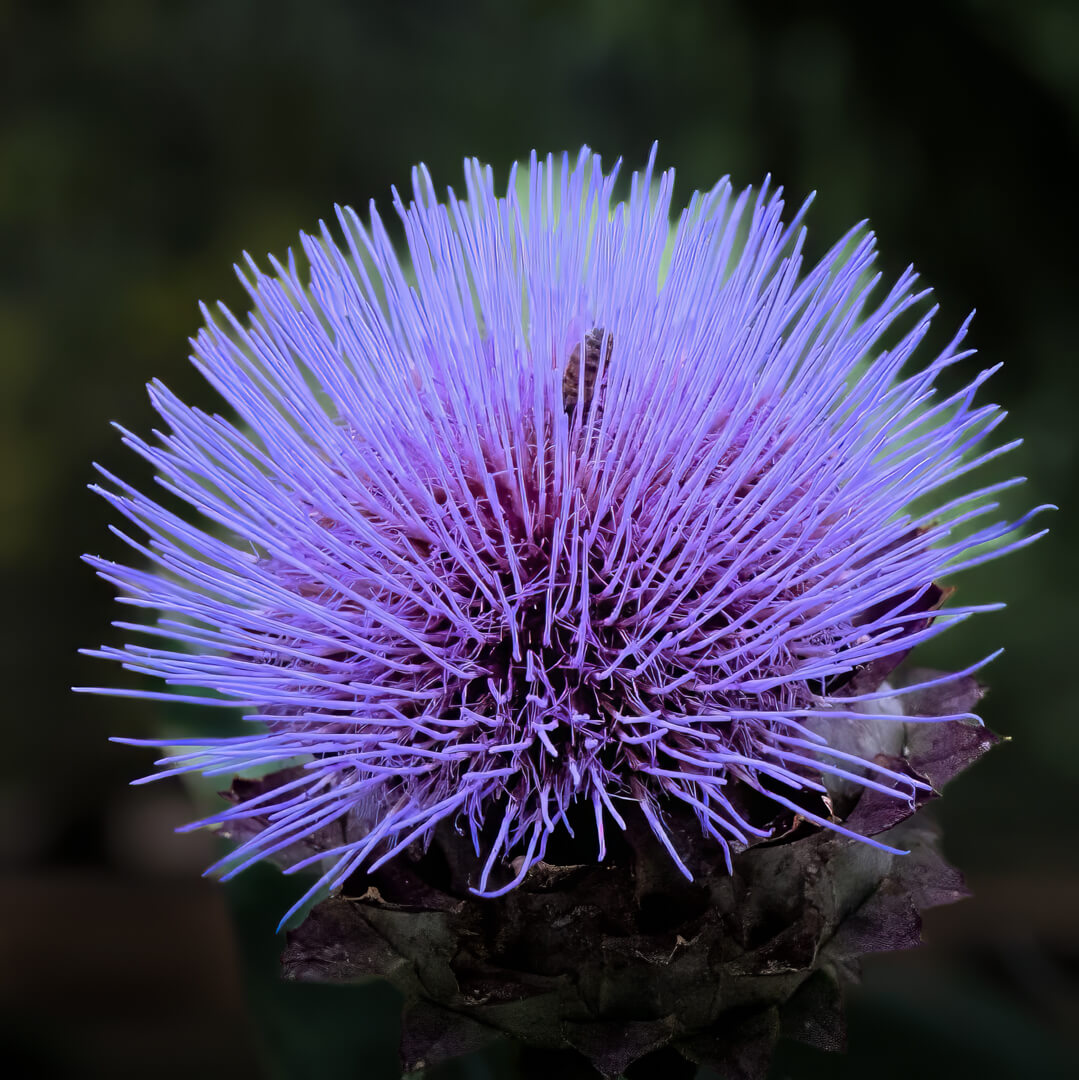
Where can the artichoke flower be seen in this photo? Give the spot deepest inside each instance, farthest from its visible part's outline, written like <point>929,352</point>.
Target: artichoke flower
<point>561,570</point>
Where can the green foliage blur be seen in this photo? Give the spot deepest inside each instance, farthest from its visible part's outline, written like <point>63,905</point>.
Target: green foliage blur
<point>145,144</point>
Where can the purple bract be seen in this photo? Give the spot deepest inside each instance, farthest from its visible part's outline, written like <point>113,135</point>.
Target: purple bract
<point>574,507</point>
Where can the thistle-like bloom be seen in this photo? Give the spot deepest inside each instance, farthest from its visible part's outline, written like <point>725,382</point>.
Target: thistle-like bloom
<point>576,507</point>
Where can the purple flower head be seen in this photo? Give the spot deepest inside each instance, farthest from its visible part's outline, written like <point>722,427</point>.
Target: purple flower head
<point>573,508</point>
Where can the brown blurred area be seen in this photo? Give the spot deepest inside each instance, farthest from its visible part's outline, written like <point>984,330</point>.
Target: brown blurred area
<point>124,968</point>
<point>144,144</point>
<point>106,976</point>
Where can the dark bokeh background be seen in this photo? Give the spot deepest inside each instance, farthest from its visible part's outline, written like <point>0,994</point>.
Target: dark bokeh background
<point>144,144</point>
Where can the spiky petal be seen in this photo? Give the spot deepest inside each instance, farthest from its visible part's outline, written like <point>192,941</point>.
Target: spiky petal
<point>572,507</point>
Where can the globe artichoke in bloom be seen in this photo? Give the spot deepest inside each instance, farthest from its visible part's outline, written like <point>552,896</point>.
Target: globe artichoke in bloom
<point>577,526</point>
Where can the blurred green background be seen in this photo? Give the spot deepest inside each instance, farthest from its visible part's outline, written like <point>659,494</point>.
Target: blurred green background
<point>144,144</point>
